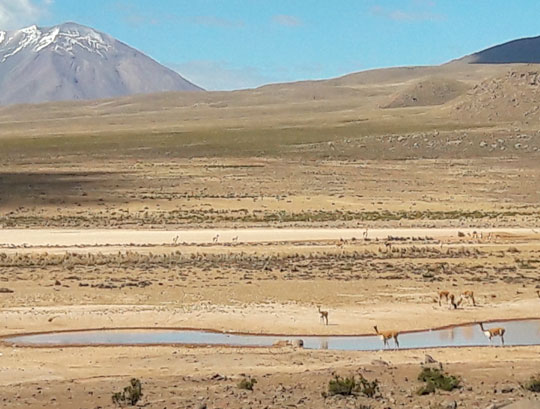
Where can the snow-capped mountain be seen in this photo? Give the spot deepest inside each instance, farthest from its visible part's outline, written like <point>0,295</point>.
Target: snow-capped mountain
<point>71,61</point>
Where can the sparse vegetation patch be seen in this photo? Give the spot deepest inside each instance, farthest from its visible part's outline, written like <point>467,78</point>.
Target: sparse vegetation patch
<point>348,386</point>
<point>436,378</point>
<point>533,384</point>
<point>247,384</point>
<point>130,395</point>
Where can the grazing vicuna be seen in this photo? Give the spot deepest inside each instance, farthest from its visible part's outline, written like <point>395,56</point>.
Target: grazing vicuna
<point>443,294</point>
<point>468,295</point>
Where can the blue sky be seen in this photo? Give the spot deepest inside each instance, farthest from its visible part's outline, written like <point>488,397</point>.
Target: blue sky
<point>231,44</point>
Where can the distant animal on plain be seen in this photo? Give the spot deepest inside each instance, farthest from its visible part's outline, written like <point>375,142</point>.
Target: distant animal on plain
<point>443,294</point>
<point>469,296</point>
<point>323,315</point>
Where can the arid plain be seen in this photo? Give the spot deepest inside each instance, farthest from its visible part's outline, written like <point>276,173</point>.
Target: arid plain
<point>404,183</point>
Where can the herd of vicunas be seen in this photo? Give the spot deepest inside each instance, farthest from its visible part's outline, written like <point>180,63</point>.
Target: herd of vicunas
<point>449,298</point>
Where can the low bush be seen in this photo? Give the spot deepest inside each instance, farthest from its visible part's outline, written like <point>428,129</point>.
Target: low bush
<point>533,384</point>
<point>247,384</point>
<point>436,378</point>
<point>342,386</point>
<point>350,386</point>
<point>130,395</point>
<point>427,389</point>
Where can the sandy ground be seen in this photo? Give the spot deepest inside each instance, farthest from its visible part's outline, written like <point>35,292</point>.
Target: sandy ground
<point>260,319</point>
<point>265,288</point>
<point>190,378</point>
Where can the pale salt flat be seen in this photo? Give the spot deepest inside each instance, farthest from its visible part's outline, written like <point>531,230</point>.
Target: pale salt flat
<point>103,237</point>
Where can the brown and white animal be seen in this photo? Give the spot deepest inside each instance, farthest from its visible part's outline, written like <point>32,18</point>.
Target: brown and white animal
<point>469,296</point>
<point>449,298</point>
<point>443,294</point>
<point>323,314</point>
<point>385,336</point>
<point>538,293</point>
<point>493,332</point>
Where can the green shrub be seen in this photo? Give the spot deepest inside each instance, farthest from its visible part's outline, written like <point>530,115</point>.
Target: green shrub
<point>435,378</point>
<point>368,388</point>
<point>247,384</point>
<point>342,386</point>
<point>350,386</point>
<point>130,395</point>
<point>427,389</point>
<point>533,384</point>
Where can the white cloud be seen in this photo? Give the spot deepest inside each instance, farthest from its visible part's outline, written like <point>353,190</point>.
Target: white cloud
<point>213,21</point>
<point>221,76</point>
<point>136,16</point>
<point>402,15</point>
<point>287,20</point>
<point>18,13</point>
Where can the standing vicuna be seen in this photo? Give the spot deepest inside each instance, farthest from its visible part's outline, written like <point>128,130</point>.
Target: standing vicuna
<point>323,314</point>
<point>493,332</point>
<point>387,335</point>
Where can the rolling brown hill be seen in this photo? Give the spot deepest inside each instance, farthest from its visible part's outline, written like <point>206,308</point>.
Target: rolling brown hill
<point>457,95</point>
<point>336,102</point>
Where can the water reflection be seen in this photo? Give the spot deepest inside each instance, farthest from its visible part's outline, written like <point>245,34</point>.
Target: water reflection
<point>468,332</point>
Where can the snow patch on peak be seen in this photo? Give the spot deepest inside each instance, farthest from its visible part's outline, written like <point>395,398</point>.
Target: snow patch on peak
<point>30,30</point>
<point>47,39</point>
<point>27,37</point>
<point>63,39</point>
<point>90,40</point>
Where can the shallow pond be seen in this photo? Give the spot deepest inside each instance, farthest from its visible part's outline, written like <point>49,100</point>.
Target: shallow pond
<point>518,332</point>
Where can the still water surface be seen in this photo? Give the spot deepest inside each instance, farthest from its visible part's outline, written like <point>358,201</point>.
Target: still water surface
<point>519,332</point>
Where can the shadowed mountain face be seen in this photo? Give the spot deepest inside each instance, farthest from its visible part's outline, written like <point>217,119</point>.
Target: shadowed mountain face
<point>525,50</point>
<point>70,62</point>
